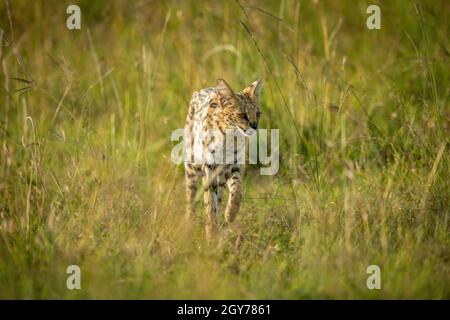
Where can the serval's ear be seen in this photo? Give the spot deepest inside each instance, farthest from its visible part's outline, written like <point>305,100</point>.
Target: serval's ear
<point>224,92</point>
<point>254,89</point>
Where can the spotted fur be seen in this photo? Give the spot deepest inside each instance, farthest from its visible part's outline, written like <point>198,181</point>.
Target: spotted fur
<point>221,110</point>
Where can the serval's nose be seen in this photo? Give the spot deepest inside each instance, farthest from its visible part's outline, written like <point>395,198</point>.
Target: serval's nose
<point>254,125</point>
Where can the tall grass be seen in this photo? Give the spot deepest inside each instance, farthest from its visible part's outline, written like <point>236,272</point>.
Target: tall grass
<point>85,170</point>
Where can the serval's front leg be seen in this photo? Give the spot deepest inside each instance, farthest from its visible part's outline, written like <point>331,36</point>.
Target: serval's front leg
<point>220,186</point>
<point>234,182</point>
<point>192,175</point>
<point>210,198</point>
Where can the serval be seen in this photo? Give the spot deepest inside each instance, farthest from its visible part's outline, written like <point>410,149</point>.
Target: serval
<point>222,111</point>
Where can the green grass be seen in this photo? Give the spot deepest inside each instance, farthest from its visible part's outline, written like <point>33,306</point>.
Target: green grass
<point>85,170</point>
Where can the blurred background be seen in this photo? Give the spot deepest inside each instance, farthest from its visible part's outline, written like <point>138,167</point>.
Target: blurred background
<point>86,177</point>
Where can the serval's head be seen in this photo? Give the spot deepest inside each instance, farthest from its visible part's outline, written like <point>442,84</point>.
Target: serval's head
<point>240,110</point>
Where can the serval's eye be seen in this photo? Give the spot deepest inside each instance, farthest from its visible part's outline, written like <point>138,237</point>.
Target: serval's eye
<point>258,114</point>
<point>243,116</point>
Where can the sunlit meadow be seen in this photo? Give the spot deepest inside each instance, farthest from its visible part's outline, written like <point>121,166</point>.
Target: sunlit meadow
<point>86,176</point>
